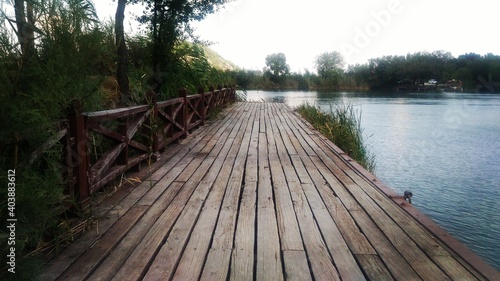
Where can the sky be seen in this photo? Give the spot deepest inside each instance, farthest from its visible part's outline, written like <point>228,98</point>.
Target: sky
<point>246,31</point>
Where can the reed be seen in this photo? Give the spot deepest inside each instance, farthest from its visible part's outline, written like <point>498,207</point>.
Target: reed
<point>342,126</point>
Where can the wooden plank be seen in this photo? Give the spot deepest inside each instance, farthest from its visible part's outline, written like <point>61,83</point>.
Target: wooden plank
<point>179,154</point>
<point>375,195</point>
<point>339,251</point>
<point>393,259</point>
<point>105,162</point>
<point>242,260</point>
<point>296,267</point>
<point>142,256</point>
<point>352,235</point>
<point>287,222</point>
<point>318,157</point>
<point>87,262</point>
<point>251,169</point>
<point>107,133</point>
<point>192,257</point>
<point>396,235</point>
<point>170,102</point>
<point>171,118</point>
<point>346,264</point>
<point>164,264</point>
<point>227,203</point>
<point>101,180</point>
<point>374,268</point>
<point>351,232</point>
<point>242,265</point>
<point>302,172</point>
<point>268,252</point>
<point>454,269</point>
<point>322,264</point>
<point>317,252</point>
<point>179,162</point>
<point>268,260</point>
<point>63,260</point>
<point>279,122</point>
<point>419,235</point>
<point>128,244</point>
<point>226,192</point>
<point>223,237</point>
<point>115,113</point>
<point>136,123</point>
<point>390,255</point>
<point>136,264</point>
<point>216,267</point>
<point>403,243</point>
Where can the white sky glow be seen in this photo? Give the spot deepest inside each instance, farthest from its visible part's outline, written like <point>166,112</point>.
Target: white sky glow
<point>246,31</point>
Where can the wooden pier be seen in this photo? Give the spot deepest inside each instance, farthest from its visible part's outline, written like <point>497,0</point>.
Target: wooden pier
<point>260,195</point>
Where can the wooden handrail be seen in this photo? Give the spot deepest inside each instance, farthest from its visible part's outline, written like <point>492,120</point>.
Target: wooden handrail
<point>131,135</point>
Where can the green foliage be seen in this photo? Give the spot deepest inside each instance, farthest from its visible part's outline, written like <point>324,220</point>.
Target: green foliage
<point>75,57</point>
<point>329,67</point>
<point>169,23</point>
<point>276,68</point>
<point>387,71</point>
<point>383,73</point>
<point>216,61</point>
<point>277,75</point>
<point>73,54</point>
<point>342,125</point>
<point>191,69</point>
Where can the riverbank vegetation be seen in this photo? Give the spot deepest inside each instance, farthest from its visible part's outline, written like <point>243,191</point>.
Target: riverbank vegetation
<point>476,73</point>
<point>342,126</point>
<point>53,53</point>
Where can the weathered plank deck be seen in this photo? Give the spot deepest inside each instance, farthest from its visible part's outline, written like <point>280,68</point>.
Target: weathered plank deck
<point>259,195</point>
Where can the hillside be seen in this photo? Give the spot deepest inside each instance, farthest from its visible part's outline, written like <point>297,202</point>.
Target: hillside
<point>217,60</point>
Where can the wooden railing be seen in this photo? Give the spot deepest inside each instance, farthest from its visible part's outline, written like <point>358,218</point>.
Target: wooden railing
<point>103,145</point>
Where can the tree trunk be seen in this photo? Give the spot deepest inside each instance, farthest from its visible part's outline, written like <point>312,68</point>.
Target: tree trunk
<point>21,24</point>
<point>30,32</point>
<point>25,34</point>
<point>121,51</point>
<point>156,81</point>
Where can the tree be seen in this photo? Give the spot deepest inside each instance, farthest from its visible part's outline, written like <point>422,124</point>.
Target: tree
<point>329,66</point>
<point>39,79</point>
<point>276,67</point>
<point>121,52</point>
<point>25,22</point>
<point>169,22</point>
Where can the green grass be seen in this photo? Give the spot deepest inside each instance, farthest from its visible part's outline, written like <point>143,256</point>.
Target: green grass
<point>342,125</point>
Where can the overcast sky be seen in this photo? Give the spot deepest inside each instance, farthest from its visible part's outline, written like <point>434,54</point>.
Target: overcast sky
<point>246,31</point>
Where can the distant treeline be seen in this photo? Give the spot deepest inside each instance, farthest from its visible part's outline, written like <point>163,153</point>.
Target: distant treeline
<point>476,73</point>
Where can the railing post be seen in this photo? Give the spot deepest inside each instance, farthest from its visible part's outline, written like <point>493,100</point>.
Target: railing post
<point>78,130</point>
<point>219,96</point>
<point>210,105</point>
<point>183,94</point>
<point>233,93</point>
<point>152,99</point>
<point>224,95</point>
<point>227,95</point>
<point>122,158</point>
<point>201,104</point>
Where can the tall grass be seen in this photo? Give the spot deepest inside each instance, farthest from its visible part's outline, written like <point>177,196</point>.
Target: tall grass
<point>342,125</point>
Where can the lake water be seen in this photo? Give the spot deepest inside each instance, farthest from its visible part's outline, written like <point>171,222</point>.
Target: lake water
<point>444,147</point>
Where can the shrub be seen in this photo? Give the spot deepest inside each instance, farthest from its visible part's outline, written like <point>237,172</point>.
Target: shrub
<point>342,125</point>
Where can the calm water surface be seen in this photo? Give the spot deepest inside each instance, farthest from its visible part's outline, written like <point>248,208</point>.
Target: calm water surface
<point>443,147</point>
